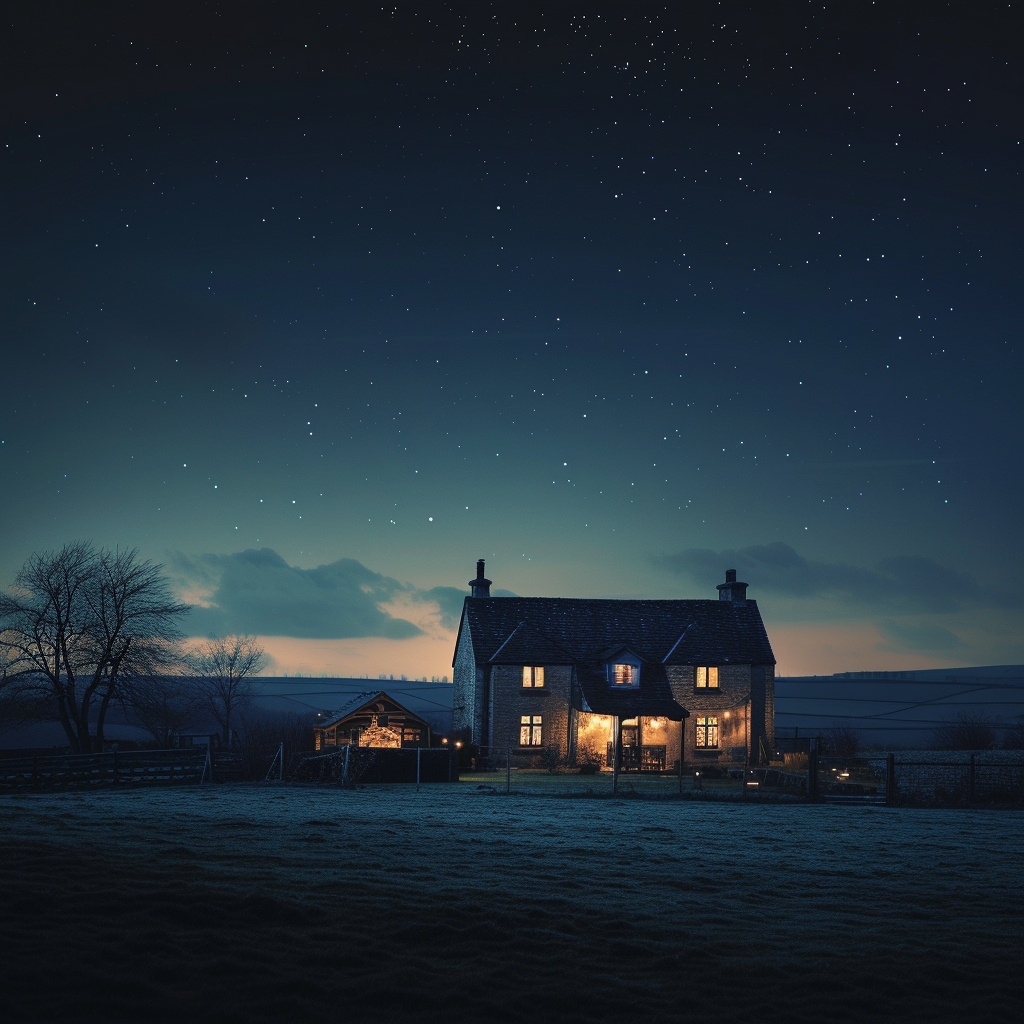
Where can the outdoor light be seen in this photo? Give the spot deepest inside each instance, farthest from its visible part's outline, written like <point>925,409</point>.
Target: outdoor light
<point>444,741</point>
<point>458,743</point>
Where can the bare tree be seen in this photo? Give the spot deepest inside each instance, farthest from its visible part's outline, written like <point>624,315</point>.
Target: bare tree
<point>163,705</point>
<point>223,667</point>
<point>965,732</point>
<point>78,622</point>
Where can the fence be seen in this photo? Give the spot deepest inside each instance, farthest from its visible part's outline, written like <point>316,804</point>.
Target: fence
<point>948,778</point>
<point>643,774</point>
<point>900,778</point>
<point>349,766</point>
<point>87,771</point>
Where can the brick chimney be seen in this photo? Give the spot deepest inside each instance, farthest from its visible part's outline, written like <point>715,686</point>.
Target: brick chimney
<point>730,590</point>
<point>481,587</point>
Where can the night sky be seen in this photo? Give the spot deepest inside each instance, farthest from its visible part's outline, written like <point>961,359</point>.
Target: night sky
<point>317,309</point>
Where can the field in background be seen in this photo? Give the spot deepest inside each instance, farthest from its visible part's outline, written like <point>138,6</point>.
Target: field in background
<point>270,903</point>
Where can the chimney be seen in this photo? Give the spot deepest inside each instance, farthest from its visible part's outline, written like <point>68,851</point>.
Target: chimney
<point>480,587</point>
<point>730,590</point>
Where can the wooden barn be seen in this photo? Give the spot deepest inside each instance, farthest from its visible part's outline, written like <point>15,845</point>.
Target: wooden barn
<point>372,720</point>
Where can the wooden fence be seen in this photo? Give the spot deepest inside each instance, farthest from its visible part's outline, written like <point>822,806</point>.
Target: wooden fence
<point>115,768</point>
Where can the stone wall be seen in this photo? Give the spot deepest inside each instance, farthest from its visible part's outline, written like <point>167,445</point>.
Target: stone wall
<point>464,703</point>
<point>730,699</point>
<point>510,700</point>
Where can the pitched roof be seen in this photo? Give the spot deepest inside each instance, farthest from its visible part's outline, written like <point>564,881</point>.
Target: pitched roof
<point>652,697</point>
<point>358,703</point>
<point>527,644</point>
<point>576,631</point>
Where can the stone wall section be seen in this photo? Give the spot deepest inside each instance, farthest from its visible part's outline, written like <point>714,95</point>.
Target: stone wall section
<point>734,688</point>
<point>464,703</point>
<point>511,700</point>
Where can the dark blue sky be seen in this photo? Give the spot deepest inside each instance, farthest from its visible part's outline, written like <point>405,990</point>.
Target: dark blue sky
<point>612,301</point>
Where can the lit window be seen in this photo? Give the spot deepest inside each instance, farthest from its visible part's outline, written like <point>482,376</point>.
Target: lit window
<point>530,731</point>
<point>707,678</point>
<point>707,732</point>
<point>533,675</point>
<point>624,675</point>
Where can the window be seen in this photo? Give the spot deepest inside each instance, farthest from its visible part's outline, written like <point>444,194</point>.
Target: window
<point>625,675</point>
<point>707,732</point>
<point>530,731</point>
<point>707,678</point>
<point>533,675</point>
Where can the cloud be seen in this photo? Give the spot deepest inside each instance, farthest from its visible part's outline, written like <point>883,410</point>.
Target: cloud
<point>916,636</point>
<point>907,582</point>
<point>449,600</point>
<point>259,592</point>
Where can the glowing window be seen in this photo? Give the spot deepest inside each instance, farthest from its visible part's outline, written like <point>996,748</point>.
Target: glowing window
<point>533,675</point>
<point>707,732</point>
<point>625,675</point>
<point>530,730</point>
<point>707,678</point>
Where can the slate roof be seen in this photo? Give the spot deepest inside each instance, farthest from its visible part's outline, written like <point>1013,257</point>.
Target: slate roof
<point>574,630</point>
<point>652,697</point>
<point>585,633</point>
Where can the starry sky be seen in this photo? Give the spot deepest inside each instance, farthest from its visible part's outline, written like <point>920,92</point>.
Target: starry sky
<point>317,308</point>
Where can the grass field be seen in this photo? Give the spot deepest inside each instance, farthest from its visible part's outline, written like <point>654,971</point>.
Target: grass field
<point>263,903</point>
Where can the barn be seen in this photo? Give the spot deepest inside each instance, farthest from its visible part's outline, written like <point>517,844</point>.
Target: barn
<point>372,719</point>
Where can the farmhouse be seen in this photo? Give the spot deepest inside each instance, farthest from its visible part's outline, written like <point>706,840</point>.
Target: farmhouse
<point>692,679</point>
<point>372,720</point>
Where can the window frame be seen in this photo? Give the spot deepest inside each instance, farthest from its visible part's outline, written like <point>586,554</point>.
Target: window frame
<point>531,730</point>
<point>709,672</point>
<point>628,660</point>
<point>702,725</point>
<point>533,673</point>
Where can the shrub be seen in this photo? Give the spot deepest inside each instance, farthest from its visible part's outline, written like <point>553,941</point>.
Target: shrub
<point>965,732</point>
<point>840,741</point>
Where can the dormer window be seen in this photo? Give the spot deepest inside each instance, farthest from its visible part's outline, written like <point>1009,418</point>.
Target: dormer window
<point>707,677</point>
<point>624,670</point>
<point>533,675</point>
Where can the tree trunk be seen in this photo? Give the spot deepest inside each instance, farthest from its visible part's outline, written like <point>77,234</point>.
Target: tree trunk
<point>104,704</point>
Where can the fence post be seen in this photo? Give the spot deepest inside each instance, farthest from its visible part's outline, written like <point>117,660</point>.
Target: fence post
<point>508,770</point>
<point>890,780</point>
<point>344,770</point>
<point>680,771</point>
<point>617,740</point>
<point>280,777</point>
<point>970,796</point>
<point>418,749</point>
<point>114,752</point>
<point>812,773</point>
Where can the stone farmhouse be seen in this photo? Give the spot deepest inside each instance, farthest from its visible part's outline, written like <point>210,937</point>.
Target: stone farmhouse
<point>659,680</point>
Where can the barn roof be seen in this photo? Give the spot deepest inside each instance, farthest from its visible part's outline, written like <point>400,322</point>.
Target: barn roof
<point>361,702</point>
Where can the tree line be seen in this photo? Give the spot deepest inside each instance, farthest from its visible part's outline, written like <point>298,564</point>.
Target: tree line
<point>84,630</point>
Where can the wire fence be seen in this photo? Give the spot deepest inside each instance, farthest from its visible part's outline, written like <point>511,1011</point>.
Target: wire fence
<point>896,779</point>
